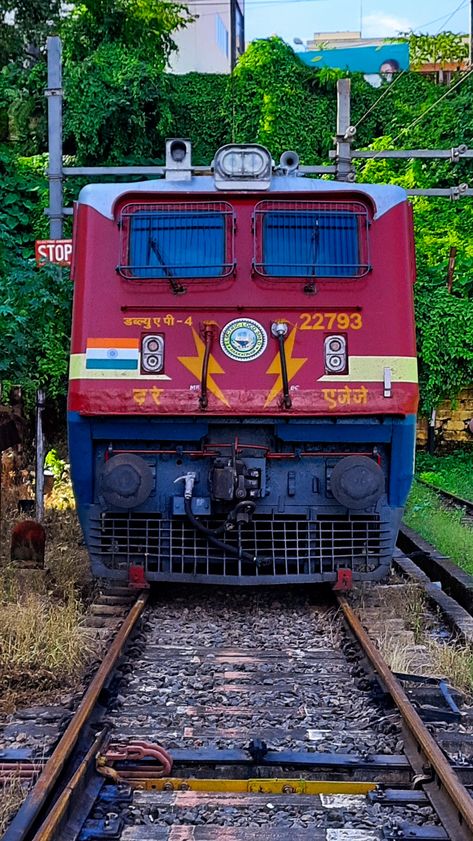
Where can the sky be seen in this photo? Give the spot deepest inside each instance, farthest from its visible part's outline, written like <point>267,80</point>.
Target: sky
<point>379,18</point>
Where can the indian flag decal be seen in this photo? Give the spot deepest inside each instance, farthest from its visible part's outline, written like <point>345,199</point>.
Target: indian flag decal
<point>112,354</point>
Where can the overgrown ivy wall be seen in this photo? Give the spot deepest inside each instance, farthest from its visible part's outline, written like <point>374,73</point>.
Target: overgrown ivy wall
<point>120,108</point>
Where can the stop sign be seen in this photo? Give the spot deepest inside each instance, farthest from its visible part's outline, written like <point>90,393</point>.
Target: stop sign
<point>57,251</point>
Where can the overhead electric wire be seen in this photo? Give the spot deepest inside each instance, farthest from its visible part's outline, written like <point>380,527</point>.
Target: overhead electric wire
<point>389,88</point>
<point>421,116</point>
<point>431,107</point>
<point>442,18</point>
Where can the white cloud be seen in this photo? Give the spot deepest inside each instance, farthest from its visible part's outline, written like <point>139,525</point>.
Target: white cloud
<point>380,25</point>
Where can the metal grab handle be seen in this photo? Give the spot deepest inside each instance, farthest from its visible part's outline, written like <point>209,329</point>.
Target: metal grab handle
<point>208,340</point>
<point>279,331</point>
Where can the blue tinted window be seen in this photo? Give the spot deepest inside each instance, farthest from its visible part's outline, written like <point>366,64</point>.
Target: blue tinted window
<point>169,244</point>
<point>310,244</point>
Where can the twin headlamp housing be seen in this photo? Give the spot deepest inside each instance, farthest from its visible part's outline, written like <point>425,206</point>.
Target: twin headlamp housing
<point>245,167</point>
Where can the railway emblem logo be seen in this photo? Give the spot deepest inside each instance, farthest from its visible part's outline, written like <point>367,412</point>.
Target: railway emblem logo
<point>243,339</point>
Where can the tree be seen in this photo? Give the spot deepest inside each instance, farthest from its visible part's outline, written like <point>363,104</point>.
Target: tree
<point>142,26</point>
<point>24,26</point>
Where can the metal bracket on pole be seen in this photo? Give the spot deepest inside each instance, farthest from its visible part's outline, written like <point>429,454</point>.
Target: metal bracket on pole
<point>457,152</point>
<point>54,94</point>
<point>458,191</point>
<point>345,133</point>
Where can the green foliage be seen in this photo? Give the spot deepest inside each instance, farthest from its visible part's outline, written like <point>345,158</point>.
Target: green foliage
<point>55,464</point>
<point>442,527</point>
<point>196,108</point>
<point>34,304</point>
<point>274,99</point>
<point>95,23</point>
<point>117,106</point>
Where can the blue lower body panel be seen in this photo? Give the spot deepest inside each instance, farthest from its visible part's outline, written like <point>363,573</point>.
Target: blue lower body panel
<point>297,531</point>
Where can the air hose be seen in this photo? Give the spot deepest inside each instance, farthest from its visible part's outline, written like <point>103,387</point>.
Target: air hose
<point>210,535</point>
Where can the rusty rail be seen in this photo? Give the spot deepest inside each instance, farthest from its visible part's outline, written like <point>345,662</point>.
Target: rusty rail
<point>446,779</point>
<point>24,821</point>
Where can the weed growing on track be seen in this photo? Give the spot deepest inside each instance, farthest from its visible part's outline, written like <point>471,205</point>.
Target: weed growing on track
<point>441,526</point>
<point>399,656</point>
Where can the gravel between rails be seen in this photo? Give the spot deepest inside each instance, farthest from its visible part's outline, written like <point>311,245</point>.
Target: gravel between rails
<point>216,668</point>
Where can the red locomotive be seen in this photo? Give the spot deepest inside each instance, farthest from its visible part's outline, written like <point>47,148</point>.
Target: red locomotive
<point>243,377</point>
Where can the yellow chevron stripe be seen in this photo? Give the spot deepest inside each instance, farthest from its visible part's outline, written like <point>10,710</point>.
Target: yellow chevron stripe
<point>78,371</point>
<point>369,369</point>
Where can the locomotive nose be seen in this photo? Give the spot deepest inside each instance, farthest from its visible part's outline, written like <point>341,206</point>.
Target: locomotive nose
<point>357,482</point>
<point>125,481</point>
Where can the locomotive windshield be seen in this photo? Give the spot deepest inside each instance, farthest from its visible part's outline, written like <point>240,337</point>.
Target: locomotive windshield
<point>310,241</point>
<point>176,241</point>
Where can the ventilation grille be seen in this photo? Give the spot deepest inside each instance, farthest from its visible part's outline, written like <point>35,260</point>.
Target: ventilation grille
<point>284,546</point>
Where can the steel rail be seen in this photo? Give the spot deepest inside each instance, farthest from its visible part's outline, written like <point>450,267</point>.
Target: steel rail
<point>456,791</point>
<point>29,811</point>
<point>48,831</point>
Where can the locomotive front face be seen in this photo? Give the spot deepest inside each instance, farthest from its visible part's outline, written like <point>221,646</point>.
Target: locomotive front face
<point>243,375</point>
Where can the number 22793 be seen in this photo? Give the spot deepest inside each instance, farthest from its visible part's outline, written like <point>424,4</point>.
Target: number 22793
<point>331,321</point>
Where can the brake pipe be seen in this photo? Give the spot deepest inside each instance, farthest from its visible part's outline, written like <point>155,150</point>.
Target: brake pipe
<point>189,481</point>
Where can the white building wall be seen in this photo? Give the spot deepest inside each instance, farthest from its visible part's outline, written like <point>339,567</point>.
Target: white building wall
<point>204,46</point>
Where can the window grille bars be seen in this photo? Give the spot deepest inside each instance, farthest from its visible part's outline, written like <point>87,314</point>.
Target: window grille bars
<point>311,240</point>
<point>177,240</point>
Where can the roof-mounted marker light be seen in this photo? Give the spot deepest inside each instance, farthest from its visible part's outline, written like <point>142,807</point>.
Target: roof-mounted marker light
<point>178,159</point>
<point>242,167</point>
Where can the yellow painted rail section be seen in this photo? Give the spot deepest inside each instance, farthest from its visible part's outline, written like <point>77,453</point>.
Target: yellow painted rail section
<point>252,786</point>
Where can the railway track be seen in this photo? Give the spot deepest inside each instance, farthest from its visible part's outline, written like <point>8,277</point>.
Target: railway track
<point>449,497</point>
<point>269,719</point>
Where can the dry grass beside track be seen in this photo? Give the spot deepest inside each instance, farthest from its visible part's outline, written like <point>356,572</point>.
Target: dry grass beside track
<point>12,796</point>
<point>453,661</point>
<point>417,648</point>
<point>44,646</point>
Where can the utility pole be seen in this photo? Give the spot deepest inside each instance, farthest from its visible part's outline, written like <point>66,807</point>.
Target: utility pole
<point>345,133</point>
<point>54,93</point>
<point>233,55</point>
<point>470,53</point>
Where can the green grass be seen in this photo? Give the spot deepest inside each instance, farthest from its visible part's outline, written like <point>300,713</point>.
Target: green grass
<point>441,526</point>
<point>452,472</point>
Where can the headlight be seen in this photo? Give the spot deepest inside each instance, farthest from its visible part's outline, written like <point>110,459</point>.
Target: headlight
<point>248,166</point>
<point>335,355</point>
<point>152,354</point>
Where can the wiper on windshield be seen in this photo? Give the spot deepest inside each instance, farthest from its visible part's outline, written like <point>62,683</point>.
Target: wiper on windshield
<point>176,287</point>
<point>309,287</point>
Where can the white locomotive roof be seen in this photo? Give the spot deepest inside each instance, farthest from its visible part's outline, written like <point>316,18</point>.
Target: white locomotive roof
<point>102,197</point>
